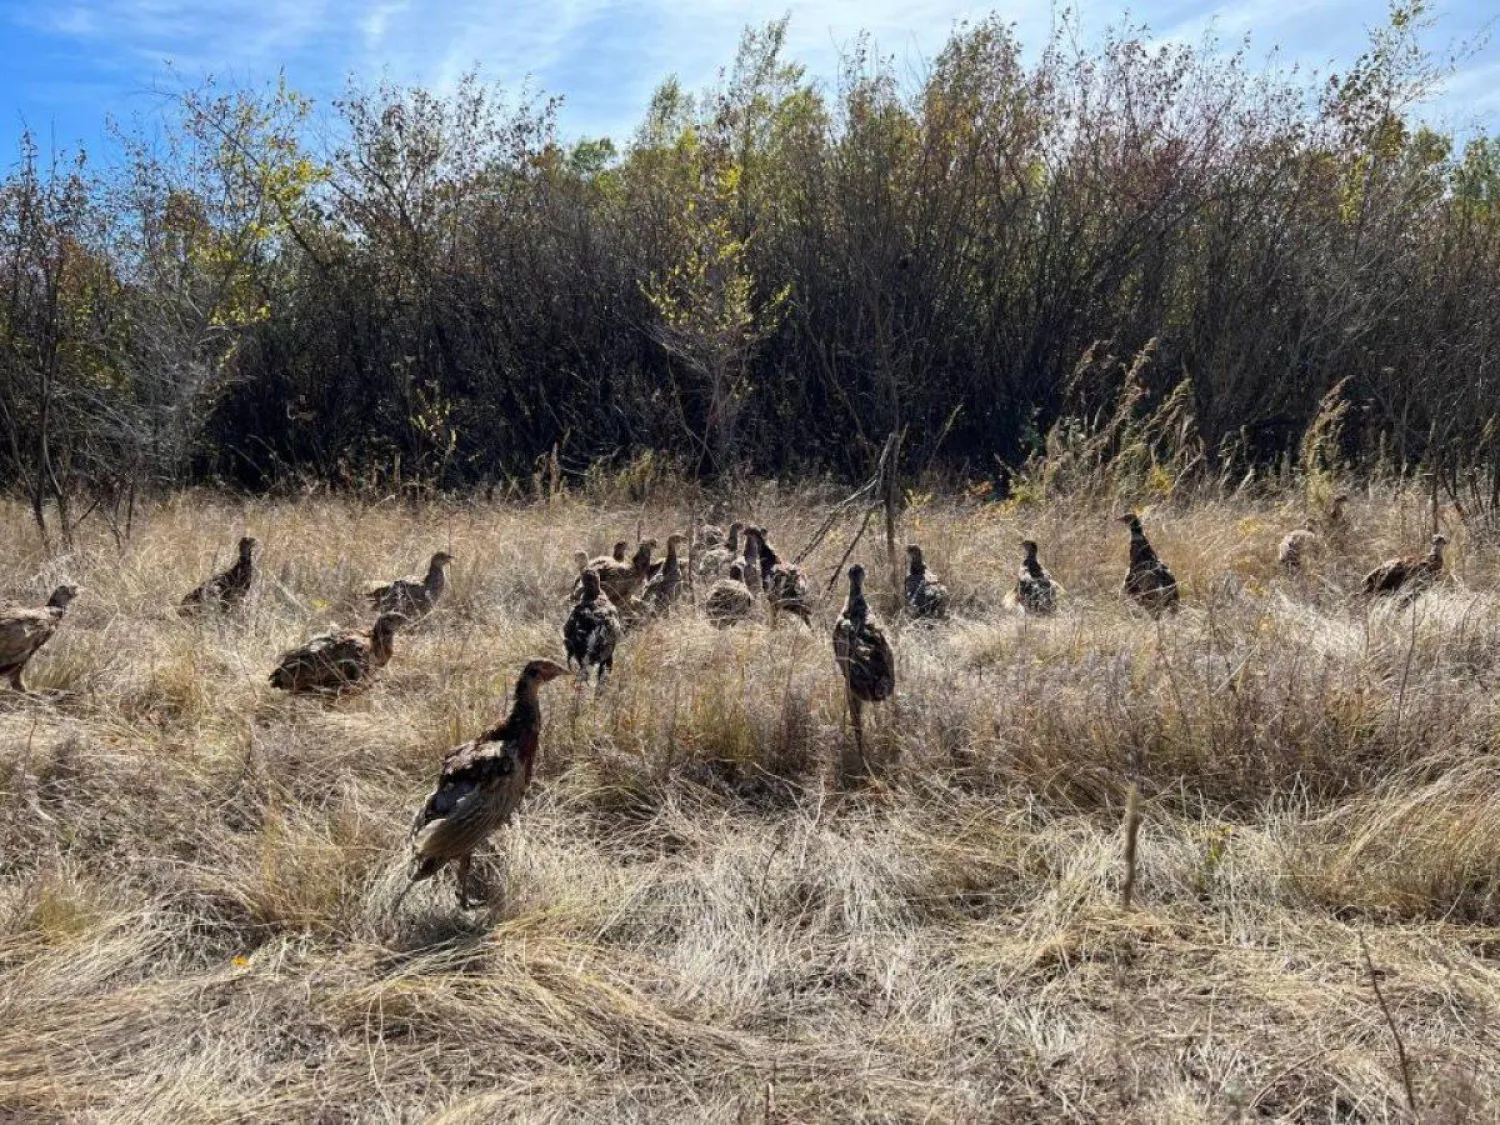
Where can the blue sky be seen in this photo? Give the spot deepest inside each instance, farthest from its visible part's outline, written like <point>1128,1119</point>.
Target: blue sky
<point>64,64</point>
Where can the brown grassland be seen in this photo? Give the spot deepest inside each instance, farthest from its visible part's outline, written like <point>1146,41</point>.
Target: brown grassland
<point>695,917</point>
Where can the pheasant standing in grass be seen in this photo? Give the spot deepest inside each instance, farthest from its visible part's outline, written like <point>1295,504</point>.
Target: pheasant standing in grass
<point>1409,576</point>
<point>666,585</point>
<point>926,597</point>
<point>716,559</point>
<point>1148,582</point>
<point>863,656</point>
<point>623,580</point>
<point>338,662</point>
<point>411,596</point>
<point>729,599</point>
<point>23,631</point>
<point>1310,541</point>
<point>1297,547</point>
<point>592,630</point>
<point>1035,593</point>
<point>785,585</point>
<point>226,590</point>
<point>481,784</point>
<point>708,537</point>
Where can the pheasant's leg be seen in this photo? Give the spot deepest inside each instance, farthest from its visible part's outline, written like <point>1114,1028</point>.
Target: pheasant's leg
<point>16,681</point>
<point>857,764</point>
<point>461,872</point>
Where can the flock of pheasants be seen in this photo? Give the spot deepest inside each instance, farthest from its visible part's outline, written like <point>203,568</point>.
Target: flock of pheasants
<point>483,781</point>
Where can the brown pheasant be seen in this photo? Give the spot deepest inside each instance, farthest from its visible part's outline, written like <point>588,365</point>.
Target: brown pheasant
<point>667,584</point>
<point>1035,592</point>
<point>863,656</point>
<point>1148,582</point>
<point>729,599</point>
<point>715,560</point>
<point>23,631</point>
<point>623,580</point>
<point>480,786</point>
<point>1409,576</point>
<point>411,596</point>
<point>592,630</point>
<point>228,589</point>
<point>338,662</point>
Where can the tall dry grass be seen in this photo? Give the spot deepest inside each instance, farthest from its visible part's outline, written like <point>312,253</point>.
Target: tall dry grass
<point>695,918</point>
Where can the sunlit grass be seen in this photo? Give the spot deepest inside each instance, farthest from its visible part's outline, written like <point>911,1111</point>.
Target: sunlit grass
<point>695,917</point>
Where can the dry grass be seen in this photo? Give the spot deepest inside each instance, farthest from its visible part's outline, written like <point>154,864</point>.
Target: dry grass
<point>696,920</point>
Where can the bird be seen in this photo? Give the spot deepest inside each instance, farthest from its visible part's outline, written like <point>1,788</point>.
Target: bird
<point>1148,582</point>
<point>580,561</point>
<point>788,591</point>
<point>863,655</point>
<point>618,554</point>
<point>23,631</point>
<point>770,558</point>
<point>413,597</point>
<point>592,630</point>
<point>1298,546</point>
<point>709,536</point>
<point>750,563</point>
<point>665,586</point>
<point>1035,591</point>
<point>337,662</point>
<point>926,597</point>
<point>1409,576</point>
<point>228,589</point>
<point>728,599</point>
<point>785,586</point>
<point>480,785</point>
<point>715,560</point>
<point>623,580</point>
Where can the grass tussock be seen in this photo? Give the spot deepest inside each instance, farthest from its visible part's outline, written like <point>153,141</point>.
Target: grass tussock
<point>695,916</point>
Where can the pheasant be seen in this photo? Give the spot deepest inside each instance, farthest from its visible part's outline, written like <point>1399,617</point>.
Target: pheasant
<point>716,559</point>
<point>1035,592</point>
<point>863,655</point>
<point>709,536</point>
<point>226,590</point>
<point>592,630</point>
<point>1297,547</point>
<point>1148,582</point>
<point>411,596</point>
<point>926,597</point>
<point>480,786</point>
<point>785,586</point>
<point>666,585</point>
<point>623,580</point>
<point>23,631</point>
<point>337,662</point>
<point>728,600</point>
<point>1409,576</point>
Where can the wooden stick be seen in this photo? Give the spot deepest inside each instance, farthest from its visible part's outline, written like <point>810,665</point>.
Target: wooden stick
<point>1411,1097</point>
<point>1132,833</point>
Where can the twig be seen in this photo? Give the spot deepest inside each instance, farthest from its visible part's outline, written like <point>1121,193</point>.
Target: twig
<point>1411,1097</point>
<point>853,543</point>
<point>1132,832</point>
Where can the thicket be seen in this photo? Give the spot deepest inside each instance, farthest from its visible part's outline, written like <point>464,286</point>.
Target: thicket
<point>1007,256</point>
